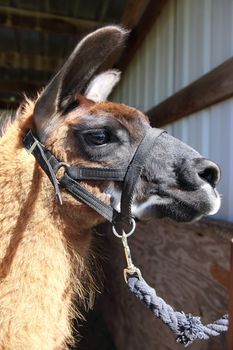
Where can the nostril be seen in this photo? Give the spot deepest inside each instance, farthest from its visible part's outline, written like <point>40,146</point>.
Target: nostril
<point>210,175</point>
<point>192,174</point>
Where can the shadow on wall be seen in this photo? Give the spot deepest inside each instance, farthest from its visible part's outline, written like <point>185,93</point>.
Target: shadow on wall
<point>94,332</point>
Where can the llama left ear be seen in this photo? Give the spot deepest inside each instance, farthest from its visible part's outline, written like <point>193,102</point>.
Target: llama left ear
<point>101,86</point>
<point>89,57</point>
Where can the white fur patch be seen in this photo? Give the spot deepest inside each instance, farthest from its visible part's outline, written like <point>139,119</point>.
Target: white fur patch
<point>143,210</point>
<point>115,196</point>
<point>214,198</point>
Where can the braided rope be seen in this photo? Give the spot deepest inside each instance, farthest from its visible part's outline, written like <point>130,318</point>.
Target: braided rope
<point>186,327</point>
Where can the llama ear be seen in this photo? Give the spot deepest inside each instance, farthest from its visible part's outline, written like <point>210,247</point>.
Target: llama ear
<point>101,86</point>
<point>88,57</point>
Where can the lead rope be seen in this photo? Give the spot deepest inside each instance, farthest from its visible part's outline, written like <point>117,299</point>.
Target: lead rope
<point>186,327</point>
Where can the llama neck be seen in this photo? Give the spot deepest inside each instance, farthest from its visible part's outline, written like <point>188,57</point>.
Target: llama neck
<point>43,254</point>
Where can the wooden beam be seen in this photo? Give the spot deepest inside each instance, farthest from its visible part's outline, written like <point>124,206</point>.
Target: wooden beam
<point>9,105</point>
<point>15,86</point>
<point>230,329</point>
<point>211,88</point>
<point>12,91</point>
<point>133,12</point>
<point>11,17</point>
<point>138,34</point>
<point>130,17</point>
<point>15,98</point>
<point>16,60</point>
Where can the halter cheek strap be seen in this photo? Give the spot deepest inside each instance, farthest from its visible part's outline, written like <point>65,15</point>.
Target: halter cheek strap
<point>134,171</point>
<point>69,181</point>
<point>73,174</point>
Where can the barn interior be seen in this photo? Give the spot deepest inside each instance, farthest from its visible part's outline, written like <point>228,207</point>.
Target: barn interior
<point>190,266</point>
<point>36,37</point>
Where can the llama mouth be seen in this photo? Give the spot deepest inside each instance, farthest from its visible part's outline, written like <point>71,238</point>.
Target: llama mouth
<point>178,205</point>
<point>166,208</point>
<point>181,206</point>
<point>204,201</point>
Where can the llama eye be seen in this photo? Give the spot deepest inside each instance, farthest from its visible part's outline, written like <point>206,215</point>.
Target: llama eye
<point>97,137</point>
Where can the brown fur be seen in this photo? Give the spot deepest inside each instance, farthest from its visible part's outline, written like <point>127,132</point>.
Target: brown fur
<point>43,255</point>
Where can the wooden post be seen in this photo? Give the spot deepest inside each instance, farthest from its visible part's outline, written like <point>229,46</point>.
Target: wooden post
<point>230,330</point>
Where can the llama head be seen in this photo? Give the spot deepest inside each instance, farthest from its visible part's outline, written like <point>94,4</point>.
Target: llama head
<point>76,123</point>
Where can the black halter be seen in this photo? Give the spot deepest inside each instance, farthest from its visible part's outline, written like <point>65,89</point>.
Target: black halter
<point>73,174</point>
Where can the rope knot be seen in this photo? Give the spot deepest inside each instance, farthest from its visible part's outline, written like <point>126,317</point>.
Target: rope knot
<point>190,330</point>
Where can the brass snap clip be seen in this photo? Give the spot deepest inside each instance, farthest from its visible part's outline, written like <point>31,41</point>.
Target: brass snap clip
<point>131,269</point>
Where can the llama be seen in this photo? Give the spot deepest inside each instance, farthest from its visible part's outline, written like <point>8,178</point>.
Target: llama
<point>46,249</point>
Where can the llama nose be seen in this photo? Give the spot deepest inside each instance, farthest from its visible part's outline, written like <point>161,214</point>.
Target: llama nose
<point>208,171</point>
<point>194,173</point>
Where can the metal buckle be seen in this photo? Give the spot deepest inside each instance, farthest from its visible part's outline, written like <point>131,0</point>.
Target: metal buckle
<point>60,166</point>
<point>31,149</point>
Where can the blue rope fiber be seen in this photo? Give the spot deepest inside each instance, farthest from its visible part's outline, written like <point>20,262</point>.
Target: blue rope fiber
<point>186,327</point>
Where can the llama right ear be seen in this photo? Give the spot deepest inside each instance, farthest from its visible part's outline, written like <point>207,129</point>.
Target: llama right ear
<point>86,59</point>
<point>101,86</point>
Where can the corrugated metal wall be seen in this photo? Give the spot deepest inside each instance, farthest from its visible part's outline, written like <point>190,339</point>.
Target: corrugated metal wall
<point>190,38</point>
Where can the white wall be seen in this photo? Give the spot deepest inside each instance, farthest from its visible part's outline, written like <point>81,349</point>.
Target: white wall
<point>190,38</point>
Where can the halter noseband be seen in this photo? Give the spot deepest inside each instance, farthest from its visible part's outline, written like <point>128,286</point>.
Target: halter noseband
<point>73,174</point>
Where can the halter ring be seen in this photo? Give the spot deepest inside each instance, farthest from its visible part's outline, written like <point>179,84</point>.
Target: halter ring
<point>123,232</point>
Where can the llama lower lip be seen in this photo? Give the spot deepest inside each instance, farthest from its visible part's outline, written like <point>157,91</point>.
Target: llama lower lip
<point>178,205</point>
<point>205,200</point>
<point>173,206</point>
<point>179,212</point>
<point>215,199</point>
